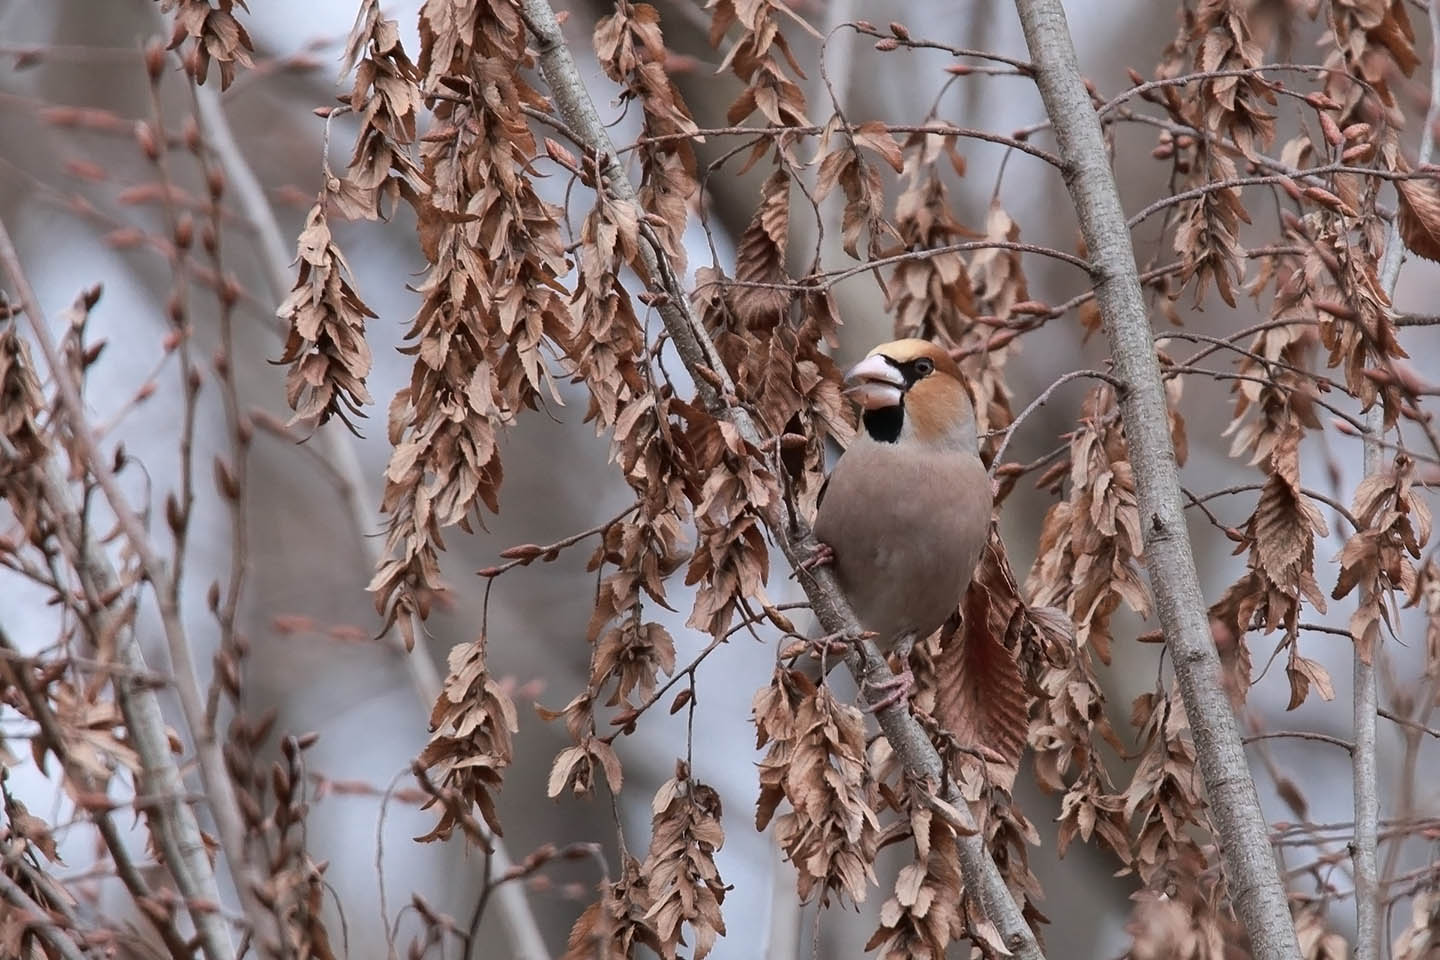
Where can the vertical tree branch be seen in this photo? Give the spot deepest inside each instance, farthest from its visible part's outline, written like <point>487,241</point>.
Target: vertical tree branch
<point>1255,887</point>
<point>905,735</point>
<point>1365,772</point>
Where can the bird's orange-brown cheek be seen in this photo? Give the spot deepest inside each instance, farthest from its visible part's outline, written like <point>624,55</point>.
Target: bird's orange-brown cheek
<point>873,396</point>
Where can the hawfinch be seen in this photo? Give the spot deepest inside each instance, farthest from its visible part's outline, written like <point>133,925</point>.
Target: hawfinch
<point>906,512</point>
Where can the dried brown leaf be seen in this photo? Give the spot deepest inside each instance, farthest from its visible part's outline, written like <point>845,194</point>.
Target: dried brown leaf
<point>1419,213</point>
<point>981,694</point>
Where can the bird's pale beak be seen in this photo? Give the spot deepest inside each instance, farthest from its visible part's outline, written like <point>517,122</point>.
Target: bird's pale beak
<point>874,383</point>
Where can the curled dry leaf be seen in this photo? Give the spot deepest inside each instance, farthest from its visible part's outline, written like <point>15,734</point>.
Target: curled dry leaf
<point>386,98</point>
<point>631,50</point>
<point>761,58</point>
<point>731,561</point>
<point>490,300</point>
<point>579,765</point>
<point>771,342</point>
<point>612,927</point>
<point>1318,938</point>
<point>1281,534</point>
<point>1427,595</point>
<point>996,274</point>
<point>1207,238</point>
<point>931,297</point>
<point>1421,938</point>
<point>27,831</point>
<point>842,164</point>
<point>22,412</point>
<point>1067,726</point>
<point>1370,36</point>
<point>1419,213</point>
<point>1222,40</point>
<point>1163,795</point>
<point>326,349</point>
<point>632,654</point>
<point>1274,407</point>
<point>1303,673</point>
<point>760,259</point>
<point>923,916</point>
<point>1378,558</point>
<point>1186,927</point>
<point>1341,271</point>
<point>470,736</point>
<point>209,33</point>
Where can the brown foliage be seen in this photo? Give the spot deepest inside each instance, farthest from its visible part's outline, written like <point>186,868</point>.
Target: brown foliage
<point>1086,562</point>
<point>1419,212</point>
<point>385,97</point>
<point>632,52</point>
<point>1394,524</point>
<point>610,928</point>
<point>980,695</point>
<point>753,58</point>
<point>470,730</point>
<point>512,302</point>
<point>326,349</point>
<point>209,33</point>
<point>924,914</point>
<point>817,763</point>
<point>1163,794</point>
<point>680,875</point>
<point>489,301</point>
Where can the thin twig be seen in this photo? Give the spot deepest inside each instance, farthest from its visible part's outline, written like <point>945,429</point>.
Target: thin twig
<point>1315,495</point>
<point>1301,735</point>
<point>1040,401</point>
<point>1256,891</point>
<point>1394,717</point>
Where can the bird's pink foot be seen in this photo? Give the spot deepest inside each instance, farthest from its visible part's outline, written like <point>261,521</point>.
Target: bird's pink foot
<point>822,556</point>
<point>898,686</point>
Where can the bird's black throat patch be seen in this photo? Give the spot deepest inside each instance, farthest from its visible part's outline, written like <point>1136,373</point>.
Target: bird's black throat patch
<point>884,424</point>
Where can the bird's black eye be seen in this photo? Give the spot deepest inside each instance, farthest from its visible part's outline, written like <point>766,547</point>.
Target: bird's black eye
<point>924,366</point>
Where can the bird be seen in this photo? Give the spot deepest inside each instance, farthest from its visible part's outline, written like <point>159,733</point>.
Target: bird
<point>905,513</point>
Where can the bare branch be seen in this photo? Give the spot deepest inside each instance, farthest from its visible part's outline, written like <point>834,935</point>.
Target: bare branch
<point>175,829</point>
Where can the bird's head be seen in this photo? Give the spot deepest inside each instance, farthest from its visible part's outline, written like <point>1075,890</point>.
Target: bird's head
<point>912,391</point>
